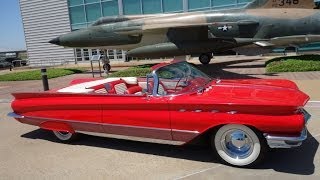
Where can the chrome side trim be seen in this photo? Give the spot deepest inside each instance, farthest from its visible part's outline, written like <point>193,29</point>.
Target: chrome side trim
<point>132,138</point>
<point>214,111</point>
<point>232,112</point>
<point>14,115</point>
<point>186,131</point>
<point>286,141</point>
<point>306,115</point>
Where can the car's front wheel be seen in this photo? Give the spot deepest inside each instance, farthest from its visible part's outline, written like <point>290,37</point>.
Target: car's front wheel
<point>65,136</point>
<point>238,145</point>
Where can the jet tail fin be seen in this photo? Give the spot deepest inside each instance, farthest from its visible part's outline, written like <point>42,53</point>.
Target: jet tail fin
<point>265,4</point>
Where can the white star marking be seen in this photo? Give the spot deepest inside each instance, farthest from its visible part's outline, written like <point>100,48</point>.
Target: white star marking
<point>225,28</point>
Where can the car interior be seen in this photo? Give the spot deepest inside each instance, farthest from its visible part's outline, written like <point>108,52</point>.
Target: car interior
<point>128,86</point>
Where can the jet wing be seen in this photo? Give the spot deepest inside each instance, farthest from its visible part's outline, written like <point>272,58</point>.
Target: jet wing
<point>286,41</point>
<point>133,30</point>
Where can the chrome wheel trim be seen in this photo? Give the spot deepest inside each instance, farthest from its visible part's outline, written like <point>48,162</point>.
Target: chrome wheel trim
<point>251,147</point>
<point>64,136</point>
<point>237,144</point>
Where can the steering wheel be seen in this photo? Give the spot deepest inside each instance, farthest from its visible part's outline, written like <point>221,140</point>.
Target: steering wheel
<point>177,85</point>
<point>175,88</point>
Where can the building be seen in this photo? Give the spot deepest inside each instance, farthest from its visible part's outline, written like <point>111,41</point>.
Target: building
<point>21,54</point>
<point>44,20</point>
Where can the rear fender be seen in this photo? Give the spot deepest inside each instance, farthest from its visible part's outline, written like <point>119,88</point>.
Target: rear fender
<point>56,126</point>
<point>79,81</point>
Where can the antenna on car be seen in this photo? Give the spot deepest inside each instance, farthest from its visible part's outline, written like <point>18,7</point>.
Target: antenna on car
<point>218,81</point>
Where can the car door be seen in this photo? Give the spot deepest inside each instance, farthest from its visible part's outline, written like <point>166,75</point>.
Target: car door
<point>191,115</point>
<point>137,116</point>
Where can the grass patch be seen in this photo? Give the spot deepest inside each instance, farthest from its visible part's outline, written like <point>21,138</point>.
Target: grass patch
<point>302,63</point>
<point>36,74</point>
<point>137,71</point>
<point>132,72</point>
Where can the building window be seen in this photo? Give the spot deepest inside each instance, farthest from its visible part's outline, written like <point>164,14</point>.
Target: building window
<point>91,1</point>
<point>75,2</point>
<point>77,15</point>
<point>151,6</point>
<point>78,26</point>
<point>219,3</point>
<point>244,1</point>
<point>198,4</point>
<point>172,5</point>
<point>131,7</point>
<point>93,12</point>
<point>110,8</point>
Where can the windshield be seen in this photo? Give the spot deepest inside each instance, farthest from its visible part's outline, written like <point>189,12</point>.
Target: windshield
<point>180,78</point>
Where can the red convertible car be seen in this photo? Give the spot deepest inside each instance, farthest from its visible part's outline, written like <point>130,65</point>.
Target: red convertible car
<point>175,104</point>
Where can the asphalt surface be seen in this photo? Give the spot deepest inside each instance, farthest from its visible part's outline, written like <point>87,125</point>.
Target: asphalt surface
<point>26,152</point>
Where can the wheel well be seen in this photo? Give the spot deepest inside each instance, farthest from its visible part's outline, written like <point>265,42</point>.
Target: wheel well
<point>205,138</point>
<point>56,126</point>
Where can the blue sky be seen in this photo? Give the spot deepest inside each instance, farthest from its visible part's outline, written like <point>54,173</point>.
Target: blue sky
<point>11,31</point>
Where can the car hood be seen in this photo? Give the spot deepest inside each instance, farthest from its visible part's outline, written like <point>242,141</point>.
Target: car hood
<point>258,92</point>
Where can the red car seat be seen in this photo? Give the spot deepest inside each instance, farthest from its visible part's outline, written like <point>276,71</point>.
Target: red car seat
<point>116,87</point>
<point>134,90</point>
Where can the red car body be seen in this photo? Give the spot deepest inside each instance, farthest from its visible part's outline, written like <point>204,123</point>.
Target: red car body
<point>272,107</point>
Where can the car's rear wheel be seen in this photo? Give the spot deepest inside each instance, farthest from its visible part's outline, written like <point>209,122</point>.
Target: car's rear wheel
<point>65,136</point>
<point>238,145</point>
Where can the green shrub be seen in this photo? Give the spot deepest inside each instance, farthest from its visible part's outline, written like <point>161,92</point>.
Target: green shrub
<point>132,72</point>
<point>294,64</point>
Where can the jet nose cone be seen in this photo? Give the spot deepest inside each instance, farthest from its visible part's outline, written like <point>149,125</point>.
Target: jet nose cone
<point>55,41</point>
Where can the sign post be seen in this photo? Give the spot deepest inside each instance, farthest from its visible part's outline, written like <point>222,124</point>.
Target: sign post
<point>45,79</point>
<point>96,58</point>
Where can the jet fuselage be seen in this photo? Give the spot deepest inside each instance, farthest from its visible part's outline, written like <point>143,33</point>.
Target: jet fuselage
<point>184,30</point>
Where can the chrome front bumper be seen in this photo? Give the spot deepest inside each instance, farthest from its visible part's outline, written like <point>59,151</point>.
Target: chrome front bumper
<point>289,141</point>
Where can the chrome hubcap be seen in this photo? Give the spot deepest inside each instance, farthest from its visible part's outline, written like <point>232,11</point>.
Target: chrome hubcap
<point>237,144</point>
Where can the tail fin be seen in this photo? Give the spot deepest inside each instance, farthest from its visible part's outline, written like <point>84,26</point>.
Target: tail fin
<point>303,4</point>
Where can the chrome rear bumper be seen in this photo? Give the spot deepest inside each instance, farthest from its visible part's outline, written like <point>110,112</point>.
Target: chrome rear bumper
<point>286,142</point>
<point>14,115</point>
<point>289,141</point>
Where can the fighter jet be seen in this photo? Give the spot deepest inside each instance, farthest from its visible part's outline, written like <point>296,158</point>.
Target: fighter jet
<point>255,29</point>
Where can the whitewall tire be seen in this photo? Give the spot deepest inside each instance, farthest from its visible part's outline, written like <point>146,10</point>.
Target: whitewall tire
<point>64,136</point>
<point>238,145</point>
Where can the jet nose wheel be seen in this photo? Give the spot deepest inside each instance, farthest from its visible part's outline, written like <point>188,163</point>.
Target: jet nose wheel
<point>205,58</point>
<point>107,67</point>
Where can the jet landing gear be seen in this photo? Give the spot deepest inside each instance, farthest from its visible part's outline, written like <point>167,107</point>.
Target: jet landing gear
<point>205,58</point>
